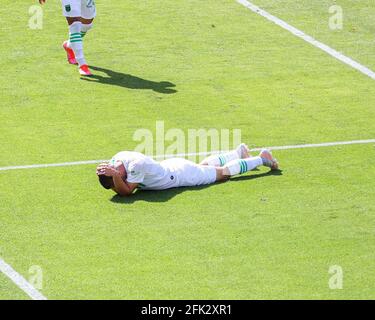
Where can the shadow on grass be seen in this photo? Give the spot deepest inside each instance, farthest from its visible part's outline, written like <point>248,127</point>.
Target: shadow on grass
<point>259,175</point>
<point>124,80</point>
<point>166,195</point>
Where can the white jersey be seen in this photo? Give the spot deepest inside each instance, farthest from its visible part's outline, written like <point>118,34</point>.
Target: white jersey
<point>145,171</point>
<point>171,173</point>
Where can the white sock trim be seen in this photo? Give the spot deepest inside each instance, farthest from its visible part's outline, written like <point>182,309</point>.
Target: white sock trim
<point>86,27</point>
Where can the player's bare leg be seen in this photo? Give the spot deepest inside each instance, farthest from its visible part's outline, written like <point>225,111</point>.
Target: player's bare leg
<point>220,175</point>
<point>219,160</point>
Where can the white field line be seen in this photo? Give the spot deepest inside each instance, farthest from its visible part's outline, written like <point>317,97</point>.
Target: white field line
<point>337,55</point>
<point>20,281</point>
<point>48,165</point>
<point>184,155</point>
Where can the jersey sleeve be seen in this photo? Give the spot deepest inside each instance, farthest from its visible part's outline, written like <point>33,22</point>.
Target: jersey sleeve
<point>136,173</point>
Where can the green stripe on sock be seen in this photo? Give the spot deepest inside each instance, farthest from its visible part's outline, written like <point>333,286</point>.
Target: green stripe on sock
<point>77,40</point>
<point>222,162</point>
<point>243,166</point>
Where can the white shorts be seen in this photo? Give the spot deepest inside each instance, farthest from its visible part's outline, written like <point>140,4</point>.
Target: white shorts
<point>190,174</point>
<point>79,8</point>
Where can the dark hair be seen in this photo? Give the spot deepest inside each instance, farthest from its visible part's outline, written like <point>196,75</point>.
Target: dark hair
<point>106,182</point>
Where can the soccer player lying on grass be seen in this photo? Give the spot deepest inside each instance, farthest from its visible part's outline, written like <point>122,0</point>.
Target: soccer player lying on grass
<point>130,170</point>
<point>80,15</point>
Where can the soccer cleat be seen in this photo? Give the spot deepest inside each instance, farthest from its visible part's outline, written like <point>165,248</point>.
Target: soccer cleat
<point>243,151</point>
<point>268,159</point>
<point>85,71</point>
<point>69,53</point>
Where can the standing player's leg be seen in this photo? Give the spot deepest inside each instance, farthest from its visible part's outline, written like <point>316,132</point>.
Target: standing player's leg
<point>87,25</point>
<point>74,47</point>
<point>219,160</point>
<point>71,57</point>
<point>85,28</point>
<point>88,14</point>
<point>240,166</point>
<point>79,15</point>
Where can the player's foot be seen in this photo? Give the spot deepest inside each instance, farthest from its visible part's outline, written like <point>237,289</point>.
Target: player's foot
<point>243,151</point>
<point>268,159</point>
<point>85,71</point>
<point>69,53</point>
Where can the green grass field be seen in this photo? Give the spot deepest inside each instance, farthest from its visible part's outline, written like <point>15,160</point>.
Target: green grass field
<point>193,64</point>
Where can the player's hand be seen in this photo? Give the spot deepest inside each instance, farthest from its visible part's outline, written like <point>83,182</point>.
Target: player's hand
<point>42,1</point>
<point>106,170</point>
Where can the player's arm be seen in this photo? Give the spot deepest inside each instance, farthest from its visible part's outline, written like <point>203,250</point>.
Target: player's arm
<point>123,188</point>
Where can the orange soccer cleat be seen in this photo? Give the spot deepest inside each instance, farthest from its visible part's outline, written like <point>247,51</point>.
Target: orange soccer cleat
<point>69,53</point>
<point>85,71</point>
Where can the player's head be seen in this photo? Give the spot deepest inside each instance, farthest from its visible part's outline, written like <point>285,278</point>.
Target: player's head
<point>106,182</point>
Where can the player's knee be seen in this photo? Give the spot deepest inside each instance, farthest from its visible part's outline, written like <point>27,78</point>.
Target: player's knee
<point>71,20</point>
<point>87,21</point>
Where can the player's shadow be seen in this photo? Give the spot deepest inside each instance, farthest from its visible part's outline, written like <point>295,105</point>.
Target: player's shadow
<point>128,81</point>
<point>166,195</point>
<point>259,175</point>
